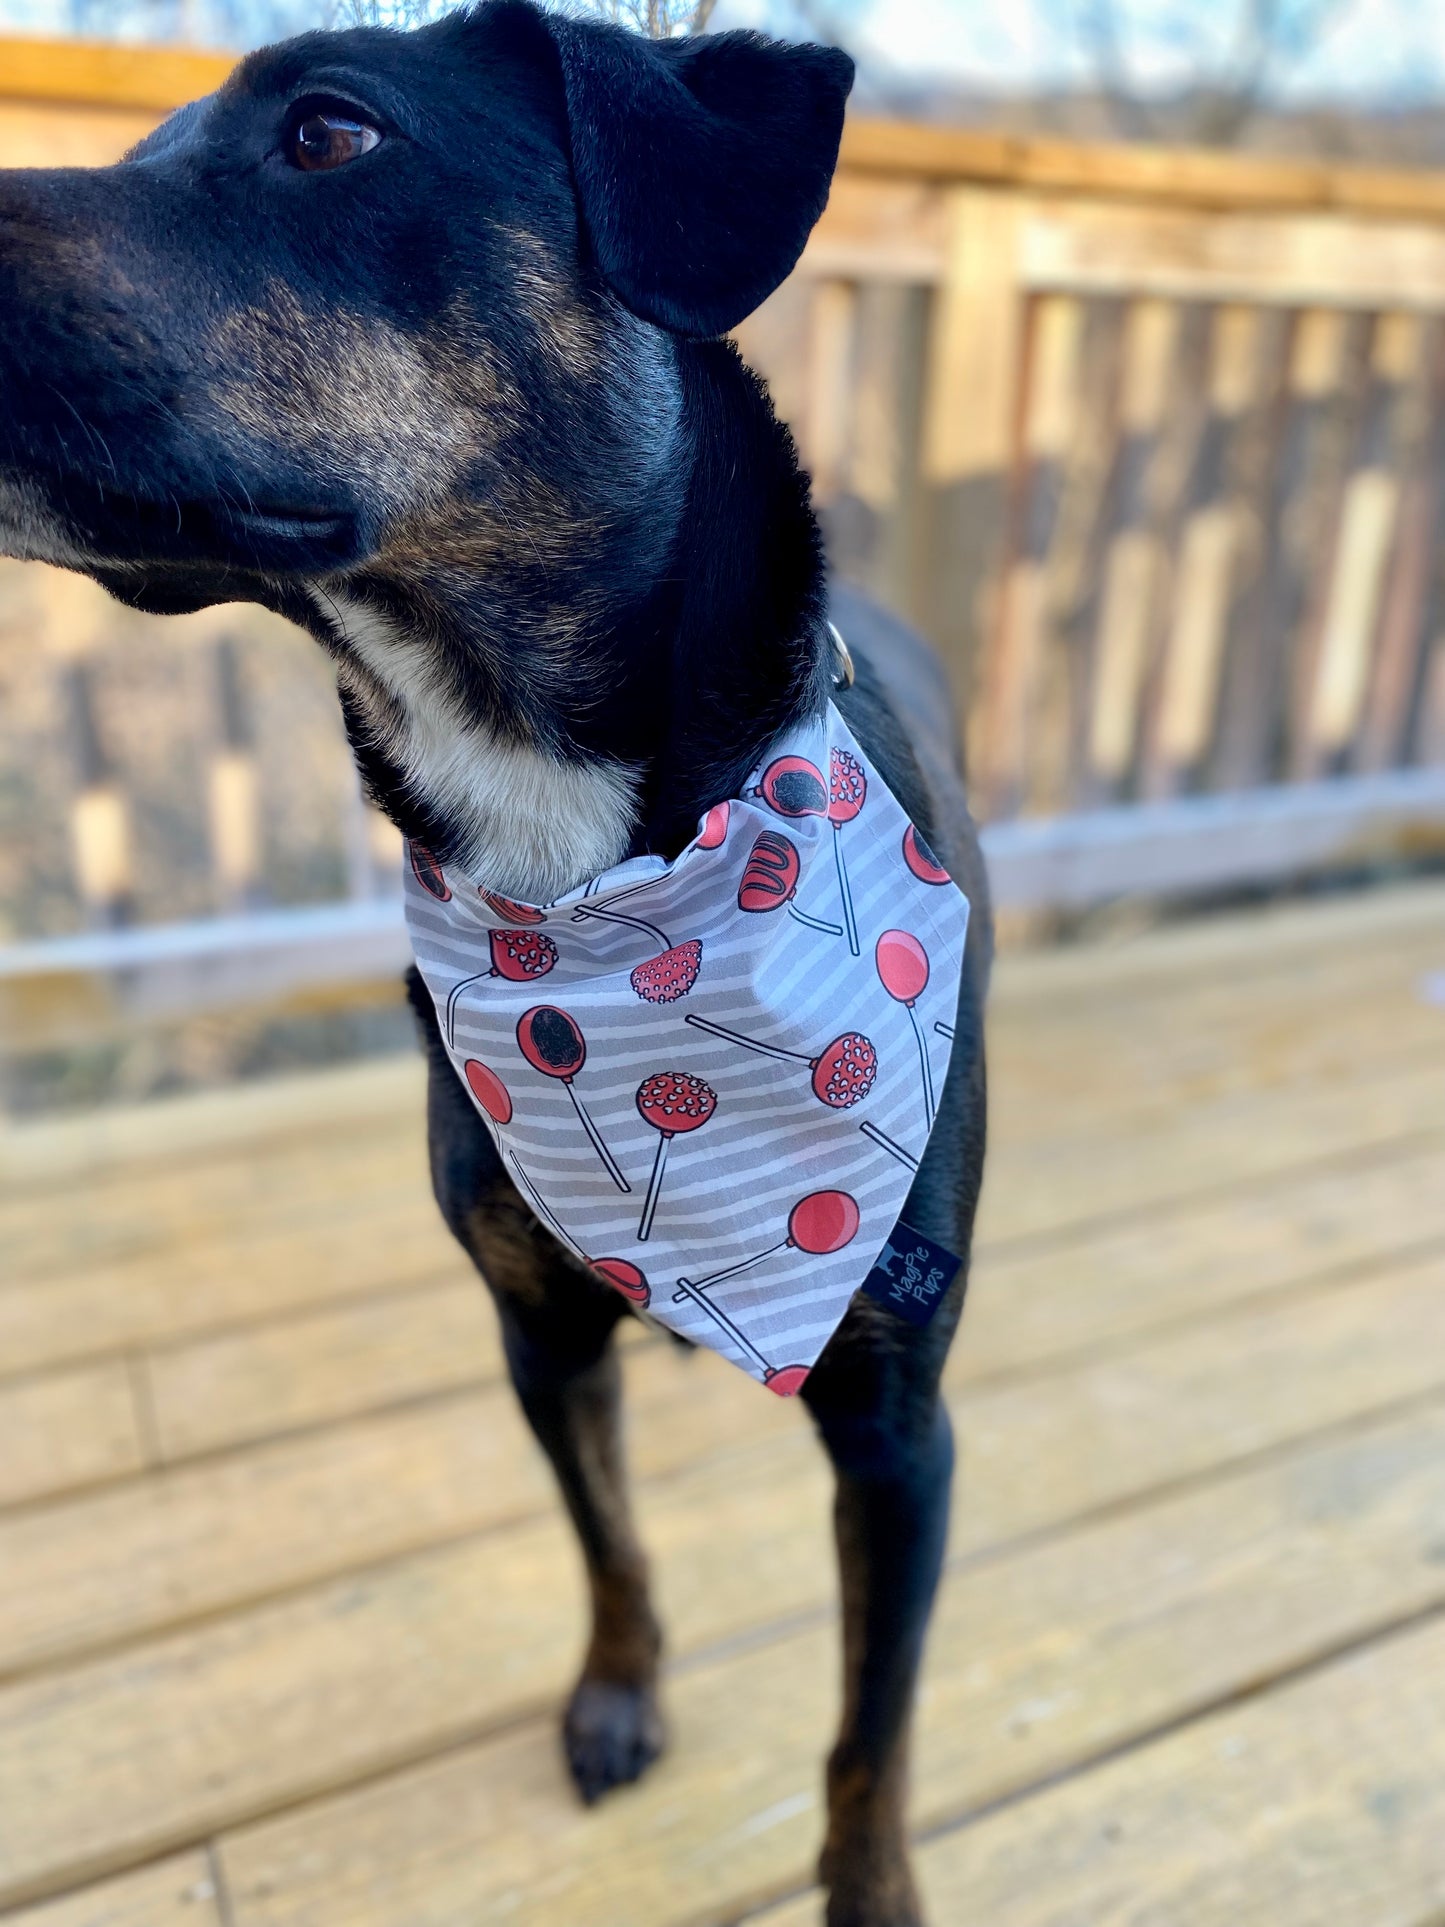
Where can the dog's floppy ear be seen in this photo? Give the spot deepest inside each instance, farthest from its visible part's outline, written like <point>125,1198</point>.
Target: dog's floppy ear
<point>701,165</point>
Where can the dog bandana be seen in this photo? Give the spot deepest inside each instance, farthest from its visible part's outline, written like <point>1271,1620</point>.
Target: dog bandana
<point>713,1079</point>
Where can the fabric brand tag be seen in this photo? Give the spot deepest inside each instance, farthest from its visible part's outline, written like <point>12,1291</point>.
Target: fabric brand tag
<point>911,1275</point>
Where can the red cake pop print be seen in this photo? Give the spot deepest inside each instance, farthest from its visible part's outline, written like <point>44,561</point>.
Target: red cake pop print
<point>820,1223</point>
<point>714,826</point>
<point>903,971</point>
<point>921,860</point>
<point>843,1071</point>
<point>517,955</point>
<point>489,1091</point>
<point>509,910</point>
<point>661,979</point>
<point>793,786</point>
<point>552,1043</point>
<point>428,872</point>
<point>671,1102</point>
<point>786,1380</point>
<point>847,793</point>
<point>624,1277</point>
<point>770,878</point>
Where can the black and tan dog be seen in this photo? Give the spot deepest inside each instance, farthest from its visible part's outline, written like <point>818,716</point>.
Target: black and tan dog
<point>415,338</point>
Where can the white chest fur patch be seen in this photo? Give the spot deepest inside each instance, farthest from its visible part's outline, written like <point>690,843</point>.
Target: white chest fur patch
<point>532,826</point>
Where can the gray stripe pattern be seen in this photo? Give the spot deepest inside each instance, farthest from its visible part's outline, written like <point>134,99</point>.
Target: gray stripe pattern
<point>726,1064</point>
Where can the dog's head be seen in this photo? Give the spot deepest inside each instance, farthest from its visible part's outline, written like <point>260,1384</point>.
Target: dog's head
<point>389,295</point>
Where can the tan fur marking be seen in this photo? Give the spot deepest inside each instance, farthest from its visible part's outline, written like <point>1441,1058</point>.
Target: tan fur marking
<point>352,391</point>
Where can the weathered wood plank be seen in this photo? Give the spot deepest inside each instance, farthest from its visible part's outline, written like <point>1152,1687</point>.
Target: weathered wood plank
<point>1297,260</point>
<point>362,1673</point>
<point>1066,1182</point>
<point>201,1539</point>
<point>204,1128</point>
<point>264,1187</point>
<point>1112,1285</point>
<point>1320,1802</point>
<point>973,376</point>
<point>1197,177</point>
<point>1035,1663</point>
<point>1124,1057</point>
<point>1074,1050</point>
<point>67,1429</point>
<point>150,1297</point>
<point>173,1893</point>
<point>66,136</point>
<point>329,1365</point>
<point>1252,947</point>
<point>197,1134</point>
<point>107,74</point>
<point>1025,1307</point>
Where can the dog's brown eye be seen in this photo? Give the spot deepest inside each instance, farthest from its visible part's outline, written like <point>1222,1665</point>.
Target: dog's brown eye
<point>330,140</point>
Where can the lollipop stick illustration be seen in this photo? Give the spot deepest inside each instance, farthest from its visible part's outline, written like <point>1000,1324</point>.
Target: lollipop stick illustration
<point>663,978</point>
<point>770,878</point>
<point>517,955</point>
<point>820,1223</point>
<point>903,971</point>
<point>843,1071</point>
<point>847,793</point>
<point>552,1043</point>
<point>671,1102</point>
<point>871,1130</point>
<point>785,1380</point>
<point>539,1203</point>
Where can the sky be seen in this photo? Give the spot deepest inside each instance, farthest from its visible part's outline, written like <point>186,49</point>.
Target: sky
<point>1381,50</point>
<point>1375,51</point>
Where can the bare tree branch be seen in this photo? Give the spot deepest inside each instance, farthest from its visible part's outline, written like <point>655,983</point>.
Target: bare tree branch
<point>1265,31</point>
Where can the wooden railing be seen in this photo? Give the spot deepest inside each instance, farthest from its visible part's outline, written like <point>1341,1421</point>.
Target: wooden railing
<point>1152,443</point>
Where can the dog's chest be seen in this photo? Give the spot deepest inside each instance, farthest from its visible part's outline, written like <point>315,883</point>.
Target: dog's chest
<point>528,824</point>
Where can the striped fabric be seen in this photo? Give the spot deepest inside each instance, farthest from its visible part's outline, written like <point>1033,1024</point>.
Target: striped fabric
<point>713,1078</point>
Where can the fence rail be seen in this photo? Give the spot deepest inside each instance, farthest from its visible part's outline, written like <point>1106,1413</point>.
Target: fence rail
<point>1150,442</point>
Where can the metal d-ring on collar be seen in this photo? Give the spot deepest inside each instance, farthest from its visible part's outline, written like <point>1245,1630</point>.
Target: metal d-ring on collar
<point>844,678</point>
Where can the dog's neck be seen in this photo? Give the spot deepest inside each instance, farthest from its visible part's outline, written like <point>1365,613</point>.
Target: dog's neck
<point>537,728</point>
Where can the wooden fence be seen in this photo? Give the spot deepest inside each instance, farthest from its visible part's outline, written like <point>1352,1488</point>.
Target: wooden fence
<point>1152,443</point>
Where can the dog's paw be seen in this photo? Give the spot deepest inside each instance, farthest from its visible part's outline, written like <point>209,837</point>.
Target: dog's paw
<point>611,1734</point>
<point>856,1909</point>
<point>872,1890</point>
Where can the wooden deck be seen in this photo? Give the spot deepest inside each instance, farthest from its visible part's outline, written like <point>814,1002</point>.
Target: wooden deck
<point>287,1606</point>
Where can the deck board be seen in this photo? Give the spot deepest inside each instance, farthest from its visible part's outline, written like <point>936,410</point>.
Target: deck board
<point>1036,1664</point>
<point>65,1429</point>
<point>1317,1805</point>
<point>287,1593</point>
<point>173,1893</point>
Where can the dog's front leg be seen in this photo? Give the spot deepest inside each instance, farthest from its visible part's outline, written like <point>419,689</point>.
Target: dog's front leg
<point>558,1320</point>
<point>888,1434</point>
<point>571,1392</point>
